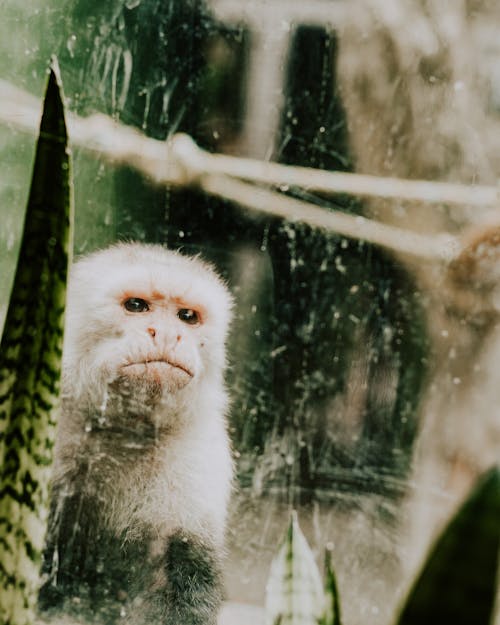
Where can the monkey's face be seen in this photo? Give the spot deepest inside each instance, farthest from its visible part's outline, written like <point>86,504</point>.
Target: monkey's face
<point>143,322</point>
<point>161,340</point>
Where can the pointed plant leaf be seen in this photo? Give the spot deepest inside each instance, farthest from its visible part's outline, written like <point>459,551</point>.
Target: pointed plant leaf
<point>294,592</point>
<point>459,581</point>
<point>30,363</point>
<point>331,614</point>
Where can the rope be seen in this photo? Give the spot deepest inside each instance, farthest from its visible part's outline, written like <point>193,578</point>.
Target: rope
<point>180,162</point>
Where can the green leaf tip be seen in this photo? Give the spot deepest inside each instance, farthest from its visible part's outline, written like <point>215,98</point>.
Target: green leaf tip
<point>458,583</point>
<point>55,69</point>
<point>294,593</point>
<point>293,527</point>
<point>53,124</point>
<point>332,601</point>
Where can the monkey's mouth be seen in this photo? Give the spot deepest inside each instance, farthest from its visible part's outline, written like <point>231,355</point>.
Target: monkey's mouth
<point>157,365</point>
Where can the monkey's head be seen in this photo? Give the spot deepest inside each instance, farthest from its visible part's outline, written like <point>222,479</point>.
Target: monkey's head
<point>143,323</point>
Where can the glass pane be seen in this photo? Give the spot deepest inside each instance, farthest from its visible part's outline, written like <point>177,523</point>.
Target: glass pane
<point>362,380</point>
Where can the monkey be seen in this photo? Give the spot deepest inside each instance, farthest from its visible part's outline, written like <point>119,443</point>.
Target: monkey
<point>142,470</point>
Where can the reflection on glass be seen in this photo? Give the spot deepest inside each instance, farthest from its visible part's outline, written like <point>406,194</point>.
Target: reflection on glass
<point>363,384</point>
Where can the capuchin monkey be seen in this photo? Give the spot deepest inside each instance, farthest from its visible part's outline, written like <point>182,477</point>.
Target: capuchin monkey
<point>142,469</point>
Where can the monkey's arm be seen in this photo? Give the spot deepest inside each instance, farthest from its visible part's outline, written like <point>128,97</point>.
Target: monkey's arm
<point>68,545</point>
<point>81,567</point>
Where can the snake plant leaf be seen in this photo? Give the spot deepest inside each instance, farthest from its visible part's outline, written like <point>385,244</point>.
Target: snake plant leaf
<point>331,614</point>
<point>294,592</point>
<point>458,583</point>
<point>30,364</point>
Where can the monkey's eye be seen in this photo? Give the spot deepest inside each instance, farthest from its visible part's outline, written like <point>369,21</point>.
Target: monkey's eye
<point>188,315</point>
<point>136,305</point>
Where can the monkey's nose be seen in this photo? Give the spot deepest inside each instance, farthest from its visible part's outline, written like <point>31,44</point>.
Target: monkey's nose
<point>152,332</point>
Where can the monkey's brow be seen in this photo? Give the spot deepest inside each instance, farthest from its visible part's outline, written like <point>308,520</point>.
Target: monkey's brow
<point>186,302</point>
<point>158,295</point>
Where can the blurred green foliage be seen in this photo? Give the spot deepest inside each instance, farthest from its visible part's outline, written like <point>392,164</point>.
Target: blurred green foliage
<point>457,585</point>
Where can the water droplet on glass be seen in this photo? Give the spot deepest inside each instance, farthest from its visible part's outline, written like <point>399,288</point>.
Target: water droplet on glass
<point>70,45</point>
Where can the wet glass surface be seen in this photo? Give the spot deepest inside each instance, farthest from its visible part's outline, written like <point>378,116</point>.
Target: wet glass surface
<point>363,383</point>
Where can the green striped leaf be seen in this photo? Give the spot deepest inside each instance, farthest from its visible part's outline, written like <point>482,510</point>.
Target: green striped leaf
<point>331,615</point>
<point>294,593</point>
<point>458,583</point>
<point>30,364</point>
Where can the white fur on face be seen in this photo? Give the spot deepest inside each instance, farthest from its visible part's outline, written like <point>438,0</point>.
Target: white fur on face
<point>107,344</point>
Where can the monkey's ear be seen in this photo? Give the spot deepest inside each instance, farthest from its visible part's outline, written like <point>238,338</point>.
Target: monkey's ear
<point>473,277</point>
<point>477,266</point>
